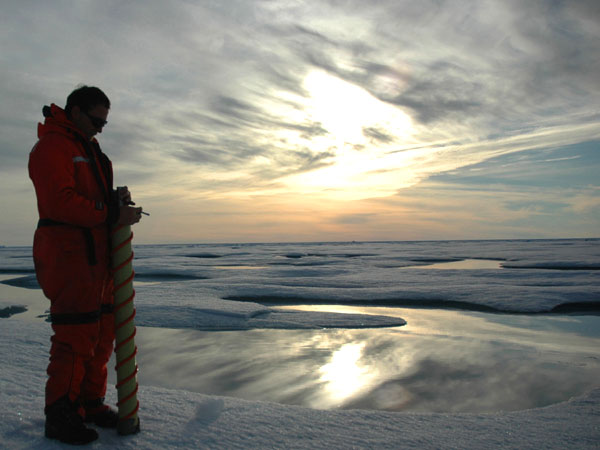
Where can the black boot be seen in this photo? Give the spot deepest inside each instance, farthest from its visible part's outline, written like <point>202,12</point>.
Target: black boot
<point>97,412</point>
<point>64,423</point>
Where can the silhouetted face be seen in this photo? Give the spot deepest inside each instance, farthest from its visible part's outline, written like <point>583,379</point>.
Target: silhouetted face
<point>90,122</point>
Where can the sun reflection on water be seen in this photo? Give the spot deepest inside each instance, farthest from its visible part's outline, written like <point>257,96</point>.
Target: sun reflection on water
<point>442,361</point>
<point>344,375</point>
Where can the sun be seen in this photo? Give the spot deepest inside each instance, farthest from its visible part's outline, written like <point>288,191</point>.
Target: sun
<point>362,133</point>
<point>346,110</point>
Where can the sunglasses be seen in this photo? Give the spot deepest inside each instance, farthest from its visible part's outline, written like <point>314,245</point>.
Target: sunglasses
<point>96,121</point>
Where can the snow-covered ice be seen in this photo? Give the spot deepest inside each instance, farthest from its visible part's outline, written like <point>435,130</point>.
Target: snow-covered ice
<point>224,287</point>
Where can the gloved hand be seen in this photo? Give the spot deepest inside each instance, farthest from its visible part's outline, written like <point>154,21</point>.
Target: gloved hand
<point>128,215</point>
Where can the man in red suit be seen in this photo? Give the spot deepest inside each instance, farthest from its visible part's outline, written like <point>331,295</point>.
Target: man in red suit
<point>77,207</point>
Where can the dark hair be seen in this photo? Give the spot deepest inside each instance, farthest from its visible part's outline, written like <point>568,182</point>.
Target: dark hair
<point>86,97</point>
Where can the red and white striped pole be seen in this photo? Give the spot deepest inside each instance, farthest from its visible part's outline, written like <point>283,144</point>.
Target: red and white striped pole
<point>125,348</point>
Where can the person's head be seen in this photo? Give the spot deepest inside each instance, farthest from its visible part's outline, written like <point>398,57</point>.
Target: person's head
<point>87,107</point>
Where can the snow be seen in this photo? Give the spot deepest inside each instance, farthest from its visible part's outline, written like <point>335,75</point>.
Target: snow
<point>171,279</point>
<point>185,286</point>
<point>180,419</point>
<point>376,273</point>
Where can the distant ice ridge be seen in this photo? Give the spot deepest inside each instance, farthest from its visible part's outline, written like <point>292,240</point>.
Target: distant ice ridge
<point>376,273</point>
<point>181,281</point>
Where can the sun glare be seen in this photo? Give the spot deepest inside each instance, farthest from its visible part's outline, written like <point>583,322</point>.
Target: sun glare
<point>347,110</point>
<point>343,375</point>
<point>362,132</point>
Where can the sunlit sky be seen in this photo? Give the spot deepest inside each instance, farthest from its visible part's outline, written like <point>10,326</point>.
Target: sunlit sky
<point>262,121</point>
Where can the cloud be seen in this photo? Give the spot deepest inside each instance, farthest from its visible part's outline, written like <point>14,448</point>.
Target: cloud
<point>494,67</point>
<point>353,219</point>
<point>377,135</point>
<point>210,99</point>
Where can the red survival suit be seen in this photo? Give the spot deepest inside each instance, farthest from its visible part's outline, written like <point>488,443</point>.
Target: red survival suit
<point>76,205</point>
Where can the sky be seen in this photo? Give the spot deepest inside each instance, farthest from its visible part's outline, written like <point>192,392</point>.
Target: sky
<point>277,121</point>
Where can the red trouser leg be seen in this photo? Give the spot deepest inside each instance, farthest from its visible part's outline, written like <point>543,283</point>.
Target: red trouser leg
<point>72,349</point>
<point>78,360</point>
<point>82,340</point>
<point>93,385</point>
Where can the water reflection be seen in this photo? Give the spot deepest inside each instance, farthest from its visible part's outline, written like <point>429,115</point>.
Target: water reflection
<point>345,374</point>
<point>440,361</point>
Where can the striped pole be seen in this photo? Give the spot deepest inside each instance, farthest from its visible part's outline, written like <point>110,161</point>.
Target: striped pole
<point>125,348</point>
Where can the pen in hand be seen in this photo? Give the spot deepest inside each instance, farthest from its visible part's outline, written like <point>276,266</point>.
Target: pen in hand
<point>133,203</point>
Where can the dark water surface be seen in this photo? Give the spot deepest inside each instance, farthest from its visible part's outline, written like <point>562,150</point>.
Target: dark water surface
<point>442,360</point>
